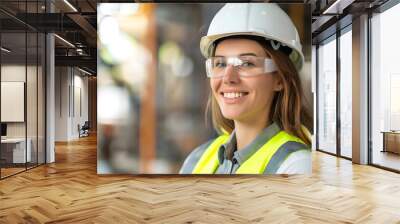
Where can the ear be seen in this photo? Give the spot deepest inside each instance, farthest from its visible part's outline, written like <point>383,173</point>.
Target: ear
<point>278,84</point>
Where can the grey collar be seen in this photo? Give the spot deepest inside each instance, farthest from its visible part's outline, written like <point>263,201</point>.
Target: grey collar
<point>241,156</point>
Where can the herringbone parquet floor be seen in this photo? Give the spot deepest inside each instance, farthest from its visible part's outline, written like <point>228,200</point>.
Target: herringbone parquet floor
<point>70,191</point>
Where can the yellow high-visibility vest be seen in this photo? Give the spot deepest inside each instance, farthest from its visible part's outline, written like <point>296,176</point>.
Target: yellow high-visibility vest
<point>256,164</point>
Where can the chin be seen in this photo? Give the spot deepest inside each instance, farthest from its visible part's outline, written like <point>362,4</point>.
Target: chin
<point>231,115</point>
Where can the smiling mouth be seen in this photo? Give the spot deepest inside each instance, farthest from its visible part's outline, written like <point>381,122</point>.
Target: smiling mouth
<point>233,95</point>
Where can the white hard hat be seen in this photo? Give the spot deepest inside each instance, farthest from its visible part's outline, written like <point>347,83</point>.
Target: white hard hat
<point>266,20</point>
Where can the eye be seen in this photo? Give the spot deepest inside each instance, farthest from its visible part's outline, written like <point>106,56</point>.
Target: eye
<point>219,64</point>
<point>247,64</point>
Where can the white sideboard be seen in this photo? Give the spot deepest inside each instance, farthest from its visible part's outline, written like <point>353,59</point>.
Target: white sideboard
<point>18,145</point>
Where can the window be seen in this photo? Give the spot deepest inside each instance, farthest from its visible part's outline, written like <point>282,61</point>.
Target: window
<point>385,89</point>
<point>346,93</point>
<point>327,96</point>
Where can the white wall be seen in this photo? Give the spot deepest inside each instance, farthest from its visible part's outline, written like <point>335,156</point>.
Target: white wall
<point>71,94</point>
<point>62,81</point>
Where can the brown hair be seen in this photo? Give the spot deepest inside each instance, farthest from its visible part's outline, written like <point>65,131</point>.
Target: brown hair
<point>288,108</point>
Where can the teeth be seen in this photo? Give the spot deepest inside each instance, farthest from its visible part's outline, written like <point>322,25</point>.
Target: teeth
<point>233,95</point>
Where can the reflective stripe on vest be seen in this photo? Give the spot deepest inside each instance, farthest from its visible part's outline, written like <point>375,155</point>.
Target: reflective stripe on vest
<point>281,155</point>
<point>208,162</point>
<point>256,164</point>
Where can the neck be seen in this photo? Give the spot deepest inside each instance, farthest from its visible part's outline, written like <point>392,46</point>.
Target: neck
<point>247,131</point>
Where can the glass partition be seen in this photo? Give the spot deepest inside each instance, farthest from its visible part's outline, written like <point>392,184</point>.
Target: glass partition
<point>22,88</point>
<point>41,91</point>
<point>13,106</point>
<point>31,99</point>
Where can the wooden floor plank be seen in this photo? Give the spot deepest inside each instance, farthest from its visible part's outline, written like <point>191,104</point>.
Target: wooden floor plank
<point>70,191</point>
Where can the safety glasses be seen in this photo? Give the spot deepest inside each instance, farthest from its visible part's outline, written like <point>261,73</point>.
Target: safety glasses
<point>245,66</point>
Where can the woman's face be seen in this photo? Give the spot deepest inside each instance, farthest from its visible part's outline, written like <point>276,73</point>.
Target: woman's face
<point>243,98</point>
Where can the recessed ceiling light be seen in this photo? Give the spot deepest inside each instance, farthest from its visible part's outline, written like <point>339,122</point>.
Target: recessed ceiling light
<point>64,40</point>
<point>70,5</point>
<point>84,71</point>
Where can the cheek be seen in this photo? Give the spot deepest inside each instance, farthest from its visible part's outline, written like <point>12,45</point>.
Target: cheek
<point>265,87</point>
<point>214,84</point>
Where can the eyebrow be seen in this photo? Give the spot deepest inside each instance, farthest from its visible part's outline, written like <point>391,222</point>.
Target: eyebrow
<point>243,54</point>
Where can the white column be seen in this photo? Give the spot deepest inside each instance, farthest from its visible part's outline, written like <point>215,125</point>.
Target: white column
<point>50,100</point>
<point>50,93</point>
<point>360,90</point>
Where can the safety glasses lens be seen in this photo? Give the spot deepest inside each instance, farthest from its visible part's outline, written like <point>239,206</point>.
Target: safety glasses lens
<point>244,65</point>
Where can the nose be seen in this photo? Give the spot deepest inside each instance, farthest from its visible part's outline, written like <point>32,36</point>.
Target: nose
<point>231,75</point>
